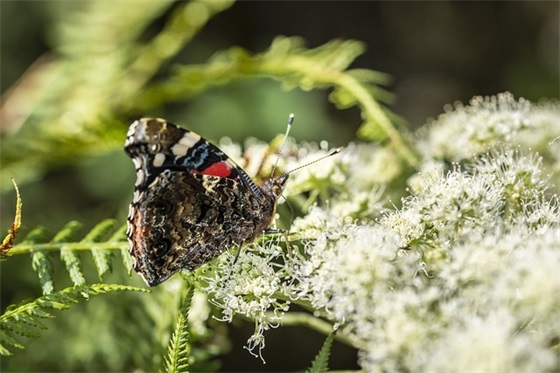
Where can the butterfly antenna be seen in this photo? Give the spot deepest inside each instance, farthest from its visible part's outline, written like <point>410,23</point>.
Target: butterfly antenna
<point>331,153</point>
<point>288,128</point>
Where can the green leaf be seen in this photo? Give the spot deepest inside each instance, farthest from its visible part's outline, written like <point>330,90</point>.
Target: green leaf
<point>72,263</point>
<point>25,319</point>
<point>101,257</point>
<point>41,263</point>
<point>321,362</point>
<point>7,340</point>
<point>96,241</point>
<point>39,234</point>
<point>67,233</point>
<point>178,349</point>
<point>126,258</point>
<point>69,256</point>
<point>100,231</point>
<point>41,260</point>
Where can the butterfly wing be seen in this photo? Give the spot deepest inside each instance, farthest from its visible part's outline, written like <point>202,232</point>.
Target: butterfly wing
<point>191,201</point>
<point>156,145</point>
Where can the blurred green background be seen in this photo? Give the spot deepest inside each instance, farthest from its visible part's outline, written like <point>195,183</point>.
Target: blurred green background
<point>436,52</point>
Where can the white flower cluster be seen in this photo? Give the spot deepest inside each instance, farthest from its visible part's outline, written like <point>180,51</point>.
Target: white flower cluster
<point>464,276</point>
<point>464,131</point>
<point>480,259</point>
<point>250,283</point>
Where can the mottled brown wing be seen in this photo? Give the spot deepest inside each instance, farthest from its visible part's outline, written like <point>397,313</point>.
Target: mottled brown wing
<point>183,221</point>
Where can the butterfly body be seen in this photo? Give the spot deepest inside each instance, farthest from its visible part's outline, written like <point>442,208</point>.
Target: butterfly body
<point>191,201</point>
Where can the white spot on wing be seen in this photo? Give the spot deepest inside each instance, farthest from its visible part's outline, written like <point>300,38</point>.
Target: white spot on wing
<point>189,139</point>
<point>140,177</point>
<point>159,158</point>
<point>132,129</point>
<point>137,163</point>
<point>186,142</point>
<point>179,150</point>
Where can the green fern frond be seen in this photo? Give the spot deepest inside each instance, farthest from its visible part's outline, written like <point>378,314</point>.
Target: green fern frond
<point>73,265</point>
<point>119,236</point>
<point>99,241</point>
<point>101,257</point>
<point>324,67</point>
<point>69,256</point>
<point>177,357</point>
<point>41,263</point>
<point>37,235</point>
<point>26,318</point>
<point>41,260</point>
<point>321,361</point>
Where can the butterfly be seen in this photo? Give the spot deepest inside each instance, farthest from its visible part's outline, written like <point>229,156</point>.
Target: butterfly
<point>191,201</point>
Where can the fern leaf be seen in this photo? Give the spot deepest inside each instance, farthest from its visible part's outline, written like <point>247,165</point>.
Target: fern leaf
<point>6,340</point>
<point>126,258</point>
<point>24,327</point>
<point>25,319</point>
<point>101,257</point>
<point>102,260</point>
<point>100,231</point>
<point>39,234</point>
<point>67,233</point>
<point>119,235</point>
<point>41,263</point>
<point>132,65</point>
<point>73,265</point>
<point>41,260</point>
<point>68,256</point>
<point>99,241</point>
<point>321,361</point>
<point>177,358</point>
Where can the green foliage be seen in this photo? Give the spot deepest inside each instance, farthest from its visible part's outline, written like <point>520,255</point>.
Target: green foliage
<point>288,61</point>
<point>99,241</point>
<point>26,318</point>
<point>178,349</point>
<point>321,361</point>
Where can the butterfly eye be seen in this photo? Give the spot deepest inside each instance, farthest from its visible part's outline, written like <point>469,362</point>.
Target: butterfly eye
<point>162,247</point>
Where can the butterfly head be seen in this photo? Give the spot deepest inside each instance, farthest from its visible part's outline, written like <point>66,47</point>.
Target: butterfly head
<point>277,184</point>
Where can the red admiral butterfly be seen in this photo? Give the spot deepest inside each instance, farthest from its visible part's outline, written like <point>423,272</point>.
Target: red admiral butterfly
<point>191,201</point>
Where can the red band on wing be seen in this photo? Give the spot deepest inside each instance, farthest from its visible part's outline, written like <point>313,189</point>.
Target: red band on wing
<point>221,169</point>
